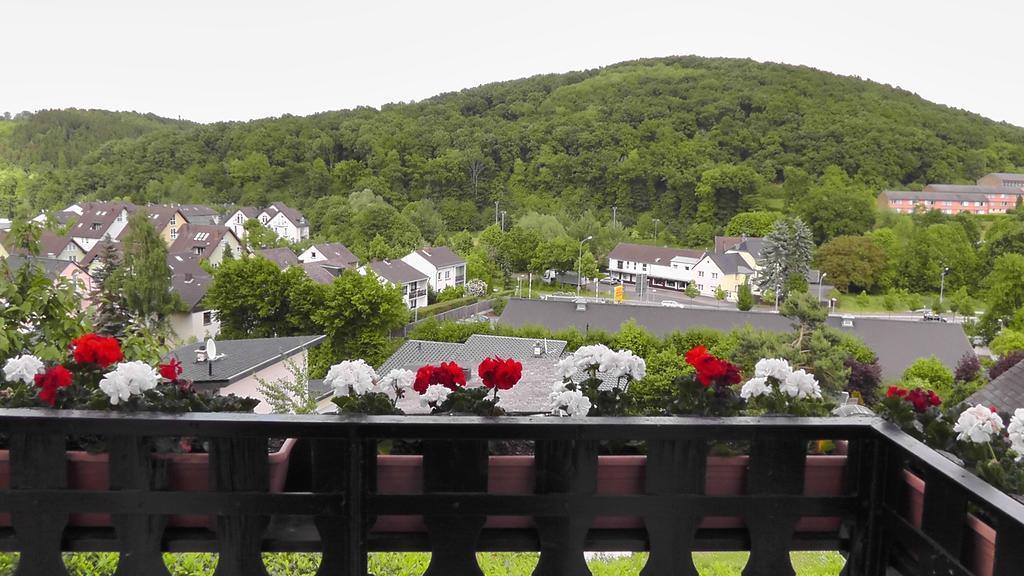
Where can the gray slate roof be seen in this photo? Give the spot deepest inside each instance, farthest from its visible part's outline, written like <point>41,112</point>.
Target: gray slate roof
<point>241,358</point>
<point>52,267</point>
<point>283,257</point>
<point>731,263</point>
<point>1006,392</point>
<point>897,343</point>
<point>321,272</point>
<point>337,253</point>
<point>965,189</point>
<point>97,217</point>
<point>396,271</point>
<point>413,354</point>
<point>659,255</point>
<point>441,256</point>
<point>188,279</point>
<point>932,196</point>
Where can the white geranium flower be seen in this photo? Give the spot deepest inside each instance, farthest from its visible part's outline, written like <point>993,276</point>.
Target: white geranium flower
<point>589,356</point>
<point>772,368</point>
<point>800,384</point>
<point>566,367</point>
<point>351,377</point>
<point>755,387</point>
<point>614,364</point>
<point>434,396</point>
<point>572,403</point>
<point>1016,432</point>
<point>129,379</point>
<point>23,369</point>
<point>636,368</point>
<point>978,424</point>
<point>396,382</point>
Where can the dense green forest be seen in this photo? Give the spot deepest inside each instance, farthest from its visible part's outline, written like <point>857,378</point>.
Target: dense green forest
<point>686,140</point>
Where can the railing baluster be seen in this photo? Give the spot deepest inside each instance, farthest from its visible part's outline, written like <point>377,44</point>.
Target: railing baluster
<point>564,467</point>
<point>39,461</point>
<point>674,467</point>
<point>866,474</point>
<point>776,467</point>
<point>240,464</point>
<point>1009,549</point>
<point>349,467</point>
<point>945,517</point>
<point>139,536</point>
<point>454,466</point>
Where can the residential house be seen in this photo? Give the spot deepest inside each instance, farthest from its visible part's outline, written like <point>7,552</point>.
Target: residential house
<point>91,259</point>
<point>288,223</point>
<point>1005,392</point>
<point>322,272</point>
<point>1002,180</point>
<point>282,257</point>
<point>409,280</point>
<point>51,245</point>
<point>197,213</point>
<point>335,253</point>
<point>727,271</point>
<point>665,267</point>
<point>242,364</point>
<point>236,221</point>
<point>443,267</point>
<point>208,241</point>
<point>897,343</point>
<point>167,220</point>
<point>100,220</point>
<point>62,217</point>
<point>191,283</point>
<point>58,271</point>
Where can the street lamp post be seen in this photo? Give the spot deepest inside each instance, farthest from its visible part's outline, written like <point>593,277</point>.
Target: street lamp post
<point>579,265</point>
<point>502,220</point>
<point>615,213</point>
<point>656,222</point>
<point>942,283</point>
<point>495,211</point>
<point>820,278</point>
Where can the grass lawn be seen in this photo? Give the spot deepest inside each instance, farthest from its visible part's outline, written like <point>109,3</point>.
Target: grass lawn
<point>493,564</point>
<point>850,303</point>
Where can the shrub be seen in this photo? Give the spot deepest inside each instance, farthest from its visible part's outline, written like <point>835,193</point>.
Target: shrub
<point>635,337</point>
<point>683,342</point>
<point>934,373</point>
<point>967,368</point>
<point>1007,341</point>
<point>865,378</point>
<point>1005,363</point>
<point>450,293</point>
<point>744,298</point>
<point>499,305</point>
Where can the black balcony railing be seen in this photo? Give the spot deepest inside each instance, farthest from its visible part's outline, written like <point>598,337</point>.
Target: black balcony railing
<point>331,499</point>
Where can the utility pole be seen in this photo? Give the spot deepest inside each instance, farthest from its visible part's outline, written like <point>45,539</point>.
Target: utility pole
<point>495,211</point>
<point>502,220</point>
<point>942,283</point>
<point>615,210</point>
<point>579,265</point>
<point>529,289</point>
<point>656,222</point>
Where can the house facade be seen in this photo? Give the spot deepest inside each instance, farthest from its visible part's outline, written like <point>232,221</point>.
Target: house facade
<point>167,220</point>
<point>727,271</point>
<point>444,268</point>
<point>100,220</point>
<point>59,271</point>
<point>288,223</point>
<point>333,252</point>
<point>994,193</point>
<point>191,283</point>
<point>237,219</point>
<point>409,280</point>
<point>207,241</point>
<point>664,267</point>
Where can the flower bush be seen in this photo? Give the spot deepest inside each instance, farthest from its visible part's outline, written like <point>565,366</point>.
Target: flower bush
<point>443,388</point>
<point>777,388</point>
<point>709,390</point>
<point>359,390</point>
<point>585,371</point>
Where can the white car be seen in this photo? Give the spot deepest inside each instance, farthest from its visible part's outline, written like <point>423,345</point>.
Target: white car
<point>672,304</point>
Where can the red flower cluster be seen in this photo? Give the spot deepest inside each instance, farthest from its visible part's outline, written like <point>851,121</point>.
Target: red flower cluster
<point>921,399</point>
<point>500,374</point>
<point>711,369</point>
<point>95,349</point>
<point>448,374</point>
<point>171,370</point>
<point>51,381</point>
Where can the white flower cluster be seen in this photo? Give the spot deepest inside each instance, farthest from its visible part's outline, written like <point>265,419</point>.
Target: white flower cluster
<point>1016,433</point>
<point>566,402</point>
<point>797,384</point>
<point>978,424</point>
<point>351,377</point>
<point>615,364</point>
<point>23,369</point>
<point>396,382</point>
<point>434,396</point>
<point>129,379</point>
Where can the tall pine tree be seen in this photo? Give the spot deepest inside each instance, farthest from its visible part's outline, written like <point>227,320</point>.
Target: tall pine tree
<point>786,253</point>
<point>111,318</point>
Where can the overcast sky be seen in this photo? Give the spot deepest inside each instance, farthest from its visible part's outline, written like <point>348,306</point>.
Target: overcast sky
<point>215,60</point>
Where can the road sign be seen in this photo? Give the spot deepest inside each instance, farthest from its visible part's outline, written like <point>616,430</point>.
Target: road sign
<point>619,294</point>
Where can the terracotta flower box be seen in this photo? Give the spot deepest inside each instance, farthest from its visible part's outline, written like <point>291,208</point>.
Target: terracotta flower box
<point>617,475</point>
<point>185,472</point>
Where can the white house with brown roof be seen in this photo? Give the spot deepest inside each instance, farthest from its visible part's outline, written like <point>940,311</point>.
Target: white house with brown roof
<point>100,220</point>
<point>237,219</point>
<point>409,280</point>
<point>727,271</point>
<point>191,283</point>
<point>665,267</point>
<point>443,267</point>
<point>332,252</point>
<point>288,223</point>
<point>207,241</point>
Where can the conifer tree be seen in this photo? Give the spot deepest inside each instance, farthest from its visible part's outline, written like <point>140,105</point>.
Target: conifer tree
<point>111,318</point>
<point>786,253</point>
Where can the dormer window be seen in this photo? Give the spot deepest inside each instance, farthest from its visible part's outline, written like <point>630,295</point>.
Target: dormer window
<point>198,250</point>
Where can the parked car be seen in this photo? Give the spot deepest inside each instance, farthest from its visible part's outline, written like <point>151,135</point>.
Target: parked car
<point>609,280</point>
<point>929,317</point>
<point>672,304</point>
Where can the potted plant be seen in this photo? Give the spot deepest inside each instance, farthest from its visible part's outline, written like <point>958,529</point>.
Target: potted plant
<point>95,376</point>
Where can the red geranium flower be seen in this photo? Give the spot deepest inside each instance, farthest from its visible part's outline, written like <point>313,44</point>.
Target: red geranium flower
<point>711,369</point>
<point>448,374</point>
<point>500,374</point>
<point>95,349</point>
<point>51,381</point>
<point>895,391</point>
<point>921,399</point>
<point>171,370</point>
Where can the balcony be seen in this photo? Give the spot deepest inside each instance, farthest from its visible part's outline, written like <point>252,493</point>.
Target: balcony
<point>414,294</point>
<point>331,498</point>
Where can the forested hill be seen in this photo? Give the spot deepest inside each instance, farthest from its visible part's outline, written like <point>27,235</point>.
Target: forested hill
<point>686,139</point>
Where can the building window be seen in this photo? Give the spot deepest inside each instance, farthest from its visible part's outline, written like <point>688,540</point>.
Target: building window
<point>700,287</point>
<point>645,267</point>
<point>438,275</point>
<point>714,275</point>
<point>238,219</point>
<point>618,264</point>
<point>174,233</point>
<point>198,250</point>
<point>447,274</point>
<point>207,318</point>
<point>701,273</point>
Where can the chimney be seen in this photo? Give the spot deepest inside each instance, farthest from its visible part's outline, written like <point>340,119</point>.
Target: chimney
<point>536,350</point>
<point>200,355</point>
